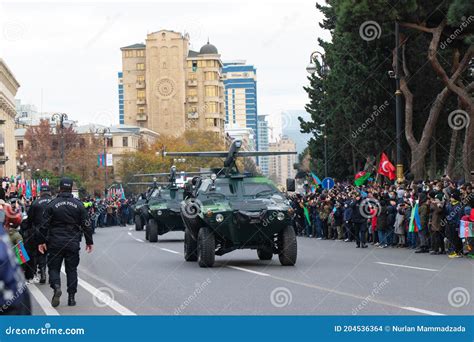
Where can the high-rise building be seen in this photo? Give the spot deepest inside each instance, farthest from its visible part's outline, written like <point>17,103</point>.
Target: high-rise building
<point>262,138</point>
<point>290,126</point>
<point>240,82</point>
<point>120,96</point>
<point>26,114</point>
<point>8,89</point>
<point>282,167</point>
<point>169,88</point>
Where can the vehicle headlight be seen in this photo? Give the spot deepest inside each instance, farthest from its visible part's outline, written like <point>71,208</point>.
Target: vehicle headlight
<point>219,218</point>
<point>159,212</point>
<point>280,216</point>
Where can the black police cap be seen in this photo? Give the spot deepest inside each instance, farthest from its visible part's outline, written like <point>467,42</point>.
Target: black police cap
<point>65,184</point>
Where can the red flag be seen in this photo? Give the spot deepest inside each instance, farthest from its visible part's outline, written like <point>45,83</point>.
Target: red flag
<point>386,168</point>
<point>360,174</point>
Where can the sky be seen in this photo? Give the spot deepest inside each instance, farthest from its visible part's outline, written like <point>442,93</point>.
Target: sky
<point>66,54</point>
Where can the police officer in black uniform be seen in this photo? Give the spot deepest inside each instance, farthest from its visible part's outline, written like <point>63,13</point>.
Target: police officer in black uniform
<point>61,235</point>
<point>34,223</point>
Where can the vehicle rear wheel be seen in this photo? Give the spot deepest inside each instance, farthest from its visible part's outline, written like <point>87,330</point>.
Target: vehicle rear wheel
<point>147,231</point>
<point>152,230</point>
<point>265,253</point>
<point>138,223</point>
<point>287,245</point>
<point>190,246</point>
<point>206,247</point>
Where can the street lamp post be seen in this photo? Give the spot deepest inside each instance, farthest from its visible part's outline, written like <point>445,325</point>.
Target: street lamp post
<point>62,118</point>
<point>398,103</point>
<point>105,133</point>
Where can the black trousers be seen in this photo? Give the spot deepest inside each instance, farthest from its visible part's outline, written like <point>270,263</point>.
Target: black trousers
<point>71,261</point>
<point>455,242</point>
<point>349,230</point>
<point>437,244</point>
<point>360,230</point>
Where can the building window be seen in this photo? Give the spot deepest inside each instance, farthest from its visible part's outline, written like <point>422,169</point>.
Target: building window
<point>140,94</point>
<point>125,141</point>
<point>211,91</point>
<point>140,66</point>
<point>110,142</point>
<point>20,145</point>
<point>211,107</point>
<point>210,63</point>
<point>141,53</point>
<point>141,110</point>
<point>211,75</point>
<point>192,75</point>
<point>210,122</point>
<point>141,78</point>
<point>192,92</point>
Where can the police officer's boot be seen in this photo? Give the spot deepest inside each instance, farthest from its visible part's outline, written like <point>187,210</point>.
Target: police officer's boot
<point>56,295</point>
<point>42,273</point>
<point>71,301</point>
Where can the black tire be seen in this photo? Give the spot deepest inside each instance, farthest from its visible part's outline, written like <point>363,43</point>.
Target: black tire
<point>265,253</point>
<point>288,249</point>
<point>206,247</point>
<point>147,232</point>
<point>190,246</point>
<point>138,223</point>
<point>152,230</point>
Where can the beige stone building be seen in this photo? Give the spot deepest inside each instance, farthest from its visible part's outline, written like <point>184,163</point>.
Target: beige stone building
<point>8,88</point>
<point>168,88</point>
<point>282,167</point>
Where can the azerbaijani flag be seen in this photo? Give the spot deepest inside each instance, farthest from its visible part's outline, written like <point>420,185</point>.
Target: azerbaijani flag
<point>361,177</point>
<point>316,179</point>
<point>466,229</point>
<point>306,214</point>
<point>415,222</point>
<point>20,253</point>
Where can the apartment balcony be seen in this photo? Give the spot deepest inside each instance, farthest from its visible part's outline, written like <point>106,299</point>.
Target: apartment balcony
<point>141,101</point>
<point>140,85</point>
<point>142,117</point>
<point>192,99</point>
<point>214,116</point>
<point>192,83</point>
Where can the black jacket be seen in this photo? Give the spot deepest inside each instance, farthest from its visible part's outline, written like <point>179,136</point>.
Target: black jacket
<point>30,229</point>
<point>357,212</point>
<point>64,223</point>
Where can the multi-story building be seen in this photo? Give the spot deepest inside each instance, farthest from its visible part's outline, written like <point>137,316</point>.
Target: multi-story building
<point>120,96</point>
<point>26,114</point>
<point>8,89</point>
<point>290,126</point>
<point>262,138</point>
<point>282,167</point>
<point>240,82</point>
<point>169,89</point>
<point>246,135</point>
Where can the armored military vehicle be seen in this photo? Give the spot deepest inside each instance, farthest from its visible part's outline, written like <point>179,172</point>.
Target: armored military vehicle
<point>232,210</point>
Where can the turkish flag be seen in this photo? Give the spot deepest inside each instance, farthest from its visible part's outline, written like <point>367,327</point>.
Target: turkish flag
<point>386,168</point>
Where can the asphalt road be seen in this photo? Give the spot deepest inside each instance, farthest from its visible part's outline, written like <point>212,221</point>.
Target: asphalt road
<point>126,275</point>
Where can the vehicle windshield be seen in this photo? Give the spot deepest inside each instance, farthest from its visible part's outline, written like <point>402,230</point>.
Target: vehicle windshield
<point>259,189</point>
<point>161,194</point>
<point>222,188</point>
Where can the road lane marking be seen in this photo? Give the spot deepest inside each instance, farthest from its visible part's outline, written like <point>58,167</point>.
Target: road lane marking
<point>169,250</point>
<point>99,279</point>
<point>43,302</point>
<point>426,312</point>
<point>249,271</point>
<point>406,266</point>
<point>133,237</point>
<point>110,302</point>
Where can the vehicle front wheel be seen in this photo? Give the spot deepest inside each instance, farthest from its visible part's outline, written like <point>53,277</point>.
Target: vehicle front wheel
<point>190,246</point>
<point>287,246</point>
<point>206,247</point>
<point>138,223</point>
<point>152,230</point>
<point>265,253</point>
